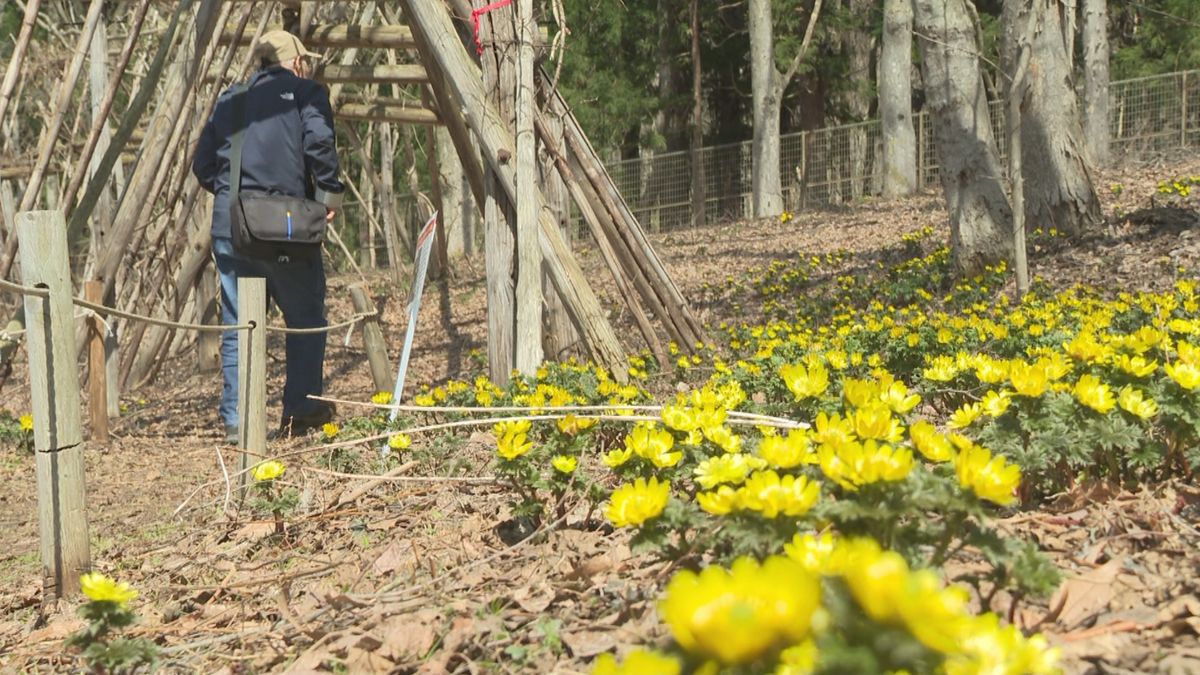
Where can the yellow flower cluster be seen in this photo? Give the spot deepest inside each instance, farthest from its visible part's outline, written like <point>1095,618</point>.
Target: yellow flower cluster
<point>512,438</point>
<point>764,492</point>
<point>637,502</point>
<point>938,616</point>
<point>739,614</point>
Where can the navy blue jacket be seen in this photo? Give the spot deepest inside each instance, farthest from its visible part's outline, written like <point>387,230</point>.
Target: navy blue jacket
<point>288,147</point>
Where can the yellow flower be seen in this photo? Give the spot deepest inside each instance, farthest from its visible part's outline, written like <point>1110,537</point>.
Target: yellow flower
<point>99,588</point>
<point>1138,366</point>
<point>382,398</point>
<point>635,503</point>
<point>833,430</point>
<point>988,647</point>
<point>399,441</point>
<point>930,443</point>
<point>1186,375</point>
<point>854,464</point>
<point>798,659</point>
<point>679,418</point>
<point>268,470</point>
<point>1085,347</point>
<point>964,416</point>
<point>990,478</point>
<point>571,425</point>
<point>737,615</point>
<point>724,438</point>
<point>330,429</point>
<point>990,370</point>
<point>769,494</point>
<point>819,554</point>
<point>26,422</point>
<point>423,400</point>
<point>896,396</point>
<point>637,662</point>
<point>616,457</point>
<point>995,403</point>
<point>805,383</point>
<point>1028,379</point>
<point>859,393</point>
<point>512,438</point>
<point>787,452</point>
<point>942,369</point>
<point>877,422</point>
<point>727,468</point>
<point>564,464</point>
<point>1134,402</point>
<point>721,502</point>
<point>1093,393</point>
<point>654,444</point>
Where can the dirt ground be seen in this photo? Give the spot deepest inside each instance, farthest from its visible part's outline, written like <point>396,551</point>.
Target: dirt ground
<point>421,573</point>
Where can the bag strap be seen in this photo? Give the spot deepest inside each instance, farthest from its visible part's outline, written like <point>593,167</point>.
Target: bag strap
<point>239,133</point>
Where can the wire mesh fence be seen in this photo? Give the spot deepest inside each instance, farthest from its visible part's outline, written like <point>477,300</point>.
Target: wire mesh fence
<point>840,164</point>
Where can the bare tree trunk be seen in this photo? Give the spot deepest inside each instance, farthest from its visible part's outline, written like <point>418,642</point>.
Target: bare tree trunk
<point>1069,22</point>
<point>1095,80</point>
<point>858,44</point>
<point>970,167</point>
<point>1059,191</point>
<point>766,93</point>
<point>895,100</point>
<point>697,158</point>
<point>450,175</point>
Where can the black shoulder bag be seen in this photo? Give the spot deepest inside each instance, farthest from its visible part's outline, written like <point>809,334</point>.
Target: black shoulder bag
<point>264,224</point>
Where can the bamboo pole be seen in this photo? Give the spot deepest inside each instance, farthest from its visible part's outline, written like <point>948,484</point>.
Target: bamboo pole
<point>101,114</point>
<point>62,101</point>
<point>54,392</point>
<point>439,45</point>
<point>17,58</point>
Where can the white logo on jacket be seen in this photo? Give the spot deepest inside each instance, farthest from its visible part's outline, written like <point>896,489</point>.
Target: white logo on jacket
<point>288,96</point>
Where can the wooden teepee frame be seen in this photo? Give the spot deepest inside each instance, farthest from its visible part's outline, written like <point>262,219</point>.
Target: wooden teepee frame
<point>162,209</point>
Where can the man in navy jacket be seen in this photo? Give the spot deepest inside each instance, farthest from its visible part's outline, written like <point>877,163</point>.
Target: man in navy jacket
<point>288,148</point>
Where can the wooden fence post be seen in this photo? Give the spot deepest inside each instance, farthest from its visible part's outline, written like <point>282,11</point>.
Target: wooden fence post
<point>1183,111</point>
<point>252,374</point>
<point>54,388</point>
<point>93,291</point>
<point>381,372</point>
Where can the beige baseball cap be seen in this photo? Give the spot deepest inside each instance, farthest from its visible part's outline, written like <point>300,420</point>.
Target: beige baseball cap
<point>278,46</point>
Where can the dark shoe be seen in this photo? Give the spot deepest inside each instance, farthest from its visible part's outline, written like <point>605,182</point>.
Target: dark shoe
<point>296,425</point>
<point>231,434</point>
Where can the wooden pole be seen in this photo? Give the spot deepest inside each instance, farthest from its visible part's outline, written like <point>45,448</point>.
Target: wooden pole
<point>439,44</point>
<point>66,88</point>
<point>252,373</point>
<point>529,254</point>
<point>376,346</point>
<point>54,390</point>
<point>93,291</point>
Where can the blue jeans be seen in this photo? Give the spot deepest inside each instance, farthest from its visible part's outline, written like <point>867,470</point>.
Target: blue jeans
<point>298,288</point>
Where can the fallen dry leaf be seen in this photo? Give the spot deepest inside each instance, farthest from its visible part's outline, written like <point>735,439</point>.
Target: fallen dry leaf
<point>1081,598</point>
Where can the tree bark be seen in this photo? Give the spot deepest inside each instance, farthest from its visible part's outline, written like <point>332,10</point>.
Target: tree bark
<point>895,100</point>
<point>1095,80</point>
<point>858,44</point>
<point>767,190</point>
<point>970,167</point>
<point>1059,191</point>
<point>529,254</point>
<point>697,157</point>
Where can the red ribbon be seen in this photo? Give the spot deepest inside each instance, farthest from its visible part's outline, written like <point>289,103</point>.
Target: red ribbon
<point>476,13</point>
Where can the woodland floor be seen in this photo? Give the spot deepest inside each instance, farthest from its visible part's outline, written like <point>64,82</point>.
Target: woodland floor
<point>424,576</point>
